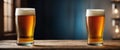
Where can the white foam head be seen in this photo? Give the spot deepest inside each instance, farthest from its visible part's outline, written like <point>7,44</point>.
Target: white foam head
<point>95,12</point>
<point>25,11</point>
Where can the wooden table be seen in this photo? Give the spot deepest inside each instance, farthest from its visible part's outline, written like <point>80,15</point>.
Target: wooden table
<point>60,45</point>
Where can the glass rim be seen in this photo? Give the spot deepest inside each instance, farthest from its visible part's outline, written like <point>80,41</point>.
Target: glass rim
<point>25,11</point>
<point>96,9</point>
<point>25,8</point>
<point>95,12</point>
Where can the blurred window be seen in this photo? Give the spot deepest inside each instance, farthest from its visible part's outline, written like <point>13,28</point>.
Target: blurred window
<point>8,15</point>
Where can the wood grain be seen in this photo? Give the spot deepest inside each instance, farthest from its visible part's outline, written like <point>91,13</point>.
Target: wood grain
<point>60,45</point>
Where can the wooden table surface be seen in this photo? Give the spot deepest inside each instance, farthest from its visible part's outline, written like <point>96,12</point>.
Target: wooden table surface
<point>60,45</point>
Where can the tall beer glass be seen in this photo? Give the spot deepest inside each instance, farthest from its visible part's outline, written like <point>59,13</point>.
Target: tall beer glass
<point>95,25</point>
<point>25,24</point>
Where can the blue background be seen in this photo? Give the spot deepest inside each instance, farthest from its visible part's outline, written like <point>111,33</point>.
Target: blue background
<point>65,19</point>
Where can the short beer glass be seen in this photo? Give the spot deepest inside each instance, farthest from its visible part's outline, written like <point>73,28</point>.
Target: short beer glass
<point>25,24</point>
<point>95,19</point>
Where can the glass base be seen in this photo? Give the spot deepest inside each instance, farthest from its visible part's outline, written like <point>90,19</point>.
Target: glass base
<point>95,44</point>
<point>25,44</point>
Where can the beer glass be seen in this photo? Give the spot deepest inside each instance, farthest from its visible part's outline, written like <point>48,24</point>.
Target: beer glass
<point>25,24</point>
<point>95,25</point>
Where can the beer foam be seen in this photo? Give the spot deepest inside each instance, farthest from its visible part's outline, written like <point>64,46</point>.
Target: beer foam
<point>25,11</point>
<point>94,12</point>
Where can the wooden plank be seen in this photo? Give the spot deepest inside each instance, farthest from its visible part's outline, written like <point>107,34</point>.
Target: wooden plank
<point>59,45</point>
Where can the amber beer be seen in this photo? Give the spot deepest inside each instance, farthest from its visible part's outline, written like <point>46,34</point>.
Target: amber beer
<point>25,25</point>
<point>95,24</point>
